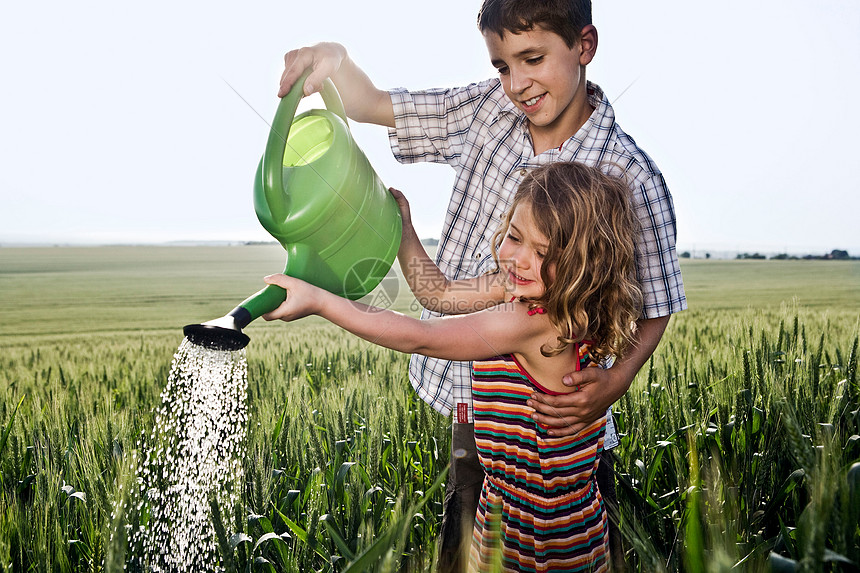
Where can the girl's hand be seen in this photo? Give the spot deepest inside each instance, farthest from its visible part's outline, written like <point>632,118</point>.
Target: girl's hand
<point>403,203</point>
<point>303,299</point>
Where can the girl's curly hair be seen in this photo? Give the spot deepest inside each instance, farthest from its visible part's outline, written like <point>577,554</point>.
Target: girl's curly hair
<point>589,268</point>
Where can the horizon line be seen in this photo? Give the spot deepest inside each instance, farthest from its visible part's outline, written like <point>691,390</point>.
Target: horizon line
<point>695,250</point>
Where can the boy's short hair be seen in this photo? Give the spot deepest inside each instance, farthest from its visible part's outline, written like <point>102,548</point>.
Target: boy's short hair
<point>566,18</point>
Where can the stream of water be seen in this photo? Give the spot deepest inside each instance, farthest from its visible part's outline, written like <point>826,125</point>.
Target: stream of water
<point>193,456</point>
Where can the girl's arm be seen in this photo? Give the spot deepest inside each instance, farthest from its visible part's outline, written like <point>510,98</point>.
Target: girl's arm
<point>498,330</point>
<point>430,286</point>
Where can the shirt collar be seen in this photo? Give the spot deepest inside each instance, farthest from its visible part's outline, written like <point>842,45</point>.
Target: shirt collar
<point>596,128</point>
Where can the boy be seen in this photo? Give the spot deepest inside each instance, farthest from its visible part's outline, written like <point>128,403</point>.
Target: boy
<point>540,109</point>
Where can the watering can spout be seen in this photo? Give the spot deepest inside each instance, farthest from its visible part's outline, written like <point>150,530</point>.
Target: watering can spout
<point>220,334</point>
<point>225,333</point>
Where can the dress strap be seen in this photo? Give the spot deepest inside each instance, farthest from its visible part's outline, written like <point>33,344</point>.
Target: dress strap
<point>532,311</point>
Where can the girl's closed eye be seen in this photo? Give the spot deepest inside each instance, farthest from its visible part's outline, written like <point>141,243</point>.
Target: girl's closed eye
<point>513,238</point>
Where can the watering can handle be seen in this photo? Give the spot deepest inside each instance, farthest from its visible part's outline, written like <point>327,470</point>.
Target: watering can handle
<point>273,158</point>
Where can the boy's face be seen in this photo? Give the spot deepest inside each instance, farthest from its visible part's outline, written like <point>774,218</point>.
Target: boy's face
<point>545,79</point>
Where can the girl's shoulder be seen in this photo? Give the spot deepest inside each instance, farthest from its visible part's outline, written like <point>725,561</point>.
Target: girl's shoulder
<point>533,321</point>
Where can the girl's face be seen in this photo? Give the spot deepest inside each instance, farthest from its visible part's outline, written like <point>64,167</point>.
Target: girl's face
<point>521,255</point>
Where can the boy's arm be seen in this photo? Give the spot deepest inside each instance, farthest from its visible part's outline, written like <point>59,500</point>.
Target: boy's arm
<point>433,290</point>
<point>362,100</point>
<point>598,388</point>
<point>468,337</point>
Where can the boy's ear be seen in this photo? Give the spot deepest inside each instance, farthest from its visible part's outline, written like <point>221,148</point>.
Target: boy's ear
<point>587,45</point>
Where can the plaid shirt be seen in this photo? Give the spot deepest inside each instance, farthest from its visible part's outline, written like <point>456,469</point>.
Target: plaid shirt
<point>479,132</point>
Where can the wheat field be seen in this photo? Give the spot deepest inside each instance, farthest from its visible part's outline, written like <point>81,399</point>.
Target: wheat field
<point>740,439</point>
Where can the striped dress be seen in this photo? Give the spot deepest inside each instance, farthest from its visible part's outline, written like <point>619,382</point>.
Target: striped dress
<point>540,509</point>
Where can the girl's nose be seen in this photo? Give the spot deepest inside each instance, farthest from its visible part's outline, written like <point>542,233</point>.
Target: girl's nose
<point>520,258</point>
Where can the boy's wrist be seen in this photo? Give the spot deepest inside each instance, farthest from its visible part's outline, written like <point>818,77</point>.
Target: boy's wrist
<point>408,234</point>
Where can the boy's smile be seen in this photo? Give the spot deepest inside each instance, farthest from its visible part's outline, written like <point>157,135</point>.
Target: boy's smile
<point>545,79</point>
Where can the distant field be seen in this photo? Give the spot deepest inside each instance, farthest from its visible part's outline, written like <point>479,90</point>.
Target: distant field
<point>738,284</point>
<point>56,291</point>
<point>103,289</point>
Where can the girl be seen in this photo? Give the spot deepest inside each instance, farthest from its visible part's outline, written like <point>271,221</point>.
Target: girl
<point>565,292</point>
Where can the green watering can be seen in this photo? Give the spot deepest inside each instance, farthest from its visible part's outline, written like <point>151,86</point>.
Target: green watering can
<point>317,194</point>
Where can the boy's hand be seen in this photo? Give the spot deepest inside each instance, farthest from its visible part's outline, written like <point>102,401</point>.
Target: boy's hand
<point>569,413</point>
<point>324,59</point>
<point>403,203</point>
<point>362,101</point>
<point>595,390</point>
<point>302,299</point>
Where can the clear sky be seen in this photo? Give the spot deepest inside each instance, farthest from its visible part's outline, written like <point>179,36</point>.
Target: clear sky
<point>117,122</point>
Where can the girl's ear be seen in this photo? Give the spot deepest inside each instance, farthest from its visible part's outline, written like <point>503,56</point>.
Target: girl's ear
<point>587,45</point>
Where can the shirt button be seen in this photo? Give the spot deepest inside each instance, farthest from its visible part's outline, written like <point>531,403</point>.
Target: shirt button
<point>478,256</point>
<point>523,172</point>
